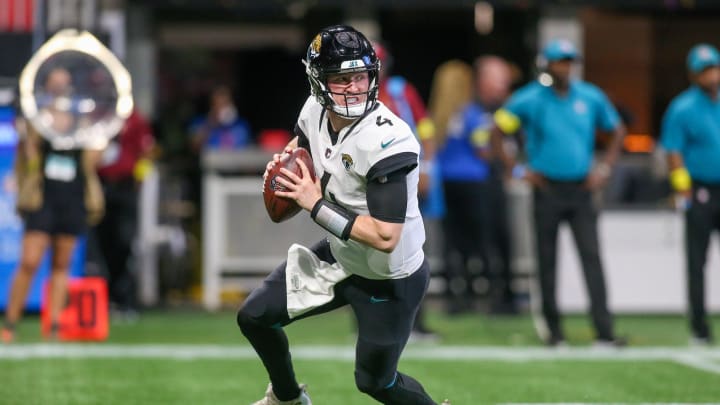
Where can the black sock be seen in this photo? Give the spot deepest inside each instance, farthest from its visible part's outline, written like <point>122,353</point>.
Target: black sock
<point>405,391</point>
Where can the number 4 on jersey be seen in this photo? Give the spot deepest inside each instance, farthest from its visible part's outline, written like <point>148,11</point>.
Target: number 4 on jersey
<point>380,121</point>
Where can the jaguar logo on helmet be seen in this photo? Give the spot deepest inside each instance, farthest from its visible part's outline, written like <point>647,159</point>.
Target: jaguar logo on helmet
<point>315,45</point>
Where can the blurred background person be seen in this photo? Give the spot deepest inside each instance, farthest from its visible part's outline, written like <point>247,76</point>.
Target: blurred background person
<point>59,194</point>
<point>222,127</point>
<point>451,91</point>
<point>55,103</point>
<point>560,115</point>
<point>403,99</point>
<point>690,137</point>
<point>125,163</point>
<point>493,81</point>
<point>478,240</point>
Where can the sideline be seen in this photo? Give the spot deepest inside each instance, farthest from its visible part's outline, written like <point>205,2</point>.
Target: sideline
<point>704,359</point>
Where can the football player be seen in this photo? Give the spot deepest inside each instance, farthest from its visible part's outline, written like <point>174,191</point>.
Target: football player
<point>365,196</point>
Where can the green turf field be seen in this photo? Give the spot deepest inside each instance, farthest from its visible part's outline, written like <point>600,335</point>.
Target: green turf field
<point>192,357</point>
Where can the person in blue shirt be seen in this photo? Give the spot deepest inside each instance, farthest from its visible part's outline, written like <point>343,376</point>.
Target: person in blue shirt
<point>691,136</point>
<point>222,128</point>
<point>560,115</point>
<point>476,221</point>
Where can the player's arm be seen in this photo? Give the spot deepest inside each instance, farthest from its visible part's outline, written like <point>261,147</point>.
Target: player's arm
<point>381,229</point>
<point>386,198</point>
<point>387,203</point>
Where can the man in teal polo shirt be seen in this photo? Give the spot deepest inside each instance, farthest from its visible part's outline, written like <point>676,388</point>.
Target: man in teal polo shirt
<point>691,136</point>
<point>560,116</point>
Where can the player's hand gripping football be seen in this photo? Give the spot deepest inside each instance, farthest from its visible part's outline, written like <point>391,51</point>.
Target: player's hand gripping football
<point>275,160</point>
<point>303,190</point>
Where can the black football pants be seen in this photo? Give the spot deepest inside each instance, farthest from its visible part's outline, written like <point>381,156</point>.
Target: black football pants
<point>571,202</point>
<point>385,310</point>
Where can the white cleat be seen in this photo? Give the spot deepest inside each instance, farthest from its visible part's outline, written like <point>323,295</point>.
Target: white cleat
<point>271,399</point>
<point>445,402</point>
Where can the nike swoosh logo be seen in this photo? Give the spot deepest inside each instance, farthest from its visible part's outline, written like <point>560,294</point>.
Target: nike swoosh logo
<point>374,300</point>
<point>385,144</point>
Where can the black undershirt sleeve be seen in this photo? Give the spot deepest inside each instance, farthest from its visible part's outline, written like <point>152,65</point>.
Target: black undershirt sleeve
<point>387,197</point>
<point>303,141</point>
<point>405,162</point>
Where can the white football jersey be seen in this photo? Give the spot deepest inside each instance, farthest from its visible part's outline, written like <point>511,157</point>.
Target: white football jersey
<point>343,168</point>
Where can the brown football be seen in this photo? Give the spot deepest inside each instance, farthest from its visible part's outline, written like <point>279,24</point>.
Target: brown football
<point>281,209</point>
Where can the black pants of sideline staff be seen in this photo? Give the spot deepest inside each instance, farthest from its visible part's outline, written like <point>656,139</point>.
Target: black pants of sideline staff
<point>115,235</point>
<point>571,202</point>
<point>701,219</point>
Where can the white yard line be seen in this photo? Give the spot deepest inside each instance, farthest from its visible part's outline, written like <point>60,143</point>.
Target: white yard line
<point>699,363</point>
<point>701,358</point>
<point>698,358</point>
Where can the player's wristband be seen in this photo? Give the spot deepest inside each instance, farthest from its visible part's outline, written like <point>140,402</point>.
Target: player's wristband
<point>680,179</point>
<point>334,218</point>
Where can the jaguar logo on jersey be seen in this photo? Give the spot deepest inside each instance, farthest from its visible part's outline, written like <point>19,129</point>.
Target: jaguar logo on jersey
<point>328,152</point>
<point>347,161</point>
<point>315,45</point>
